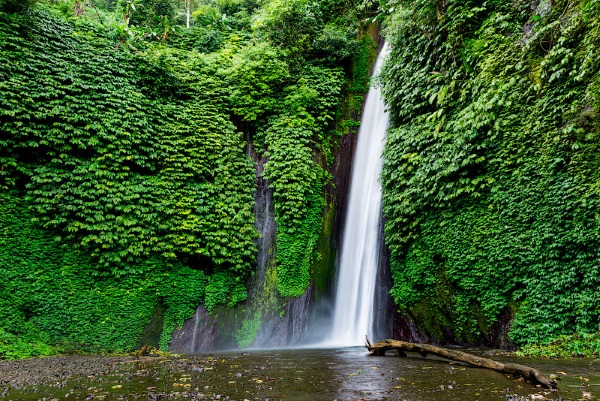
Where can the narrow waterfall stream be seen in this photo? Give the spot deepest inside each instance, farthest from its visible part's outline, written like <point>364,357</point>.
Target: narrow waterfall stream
<point>355,292</point>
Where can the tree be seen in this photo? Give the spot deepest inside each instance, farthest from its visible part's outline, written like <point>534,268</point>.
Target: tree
<point>290,24</point>
<point>149,13</point>
<point>188,6</point>
<point>16,6</point>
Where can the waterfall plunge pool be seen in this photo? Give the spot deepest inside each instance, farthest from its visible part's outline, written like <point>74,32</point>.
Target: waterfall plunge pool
<point>290,374</point>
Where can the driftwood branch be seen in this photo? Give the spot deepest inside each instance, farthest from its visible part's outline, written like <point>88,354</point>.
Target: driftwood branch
<point>515,369</point>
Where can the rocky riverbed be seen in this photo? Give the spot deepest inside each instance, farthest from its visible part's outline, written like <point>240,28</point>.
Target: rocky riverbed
<point>298,375</point>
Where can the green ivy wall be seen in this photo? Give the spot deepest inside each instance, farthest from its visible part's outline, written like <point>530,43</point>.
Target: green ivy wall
<point>127,187</point>
<point>491,179</point>
<point>128,190</point>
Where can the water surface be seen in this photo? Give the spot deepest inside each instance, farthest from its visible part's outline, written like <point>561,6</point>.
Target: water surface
<point>339,374</point>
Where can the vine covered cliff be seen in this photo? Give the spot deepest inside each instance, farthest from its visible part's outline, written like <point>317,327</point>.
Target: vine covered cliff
<point>168,167</point>
<point>130,150</point>
<point>491,176</point>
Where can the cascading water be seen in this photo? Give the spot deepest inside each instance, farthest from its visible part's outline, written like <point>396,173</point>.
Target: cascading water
<point>355,293</point>
<point>355,301</point>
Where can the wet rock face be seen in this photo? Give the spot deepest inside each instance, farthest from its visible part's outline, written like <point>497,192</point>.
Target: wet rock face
<point>197,334</point>
<point>342,173</point>
<point>288,329</point>
<point>405,330</point>
<point>276,330</point>
<point>542,7</point>
<point>384,305</point>
<point>264,213</point>
<point>298,311</point>
<point>498,334</point>
<point>497,337</point>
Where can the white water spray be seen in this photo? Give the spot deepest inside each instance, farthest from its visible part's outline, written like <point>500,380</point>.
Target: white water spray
<point>355,293</point>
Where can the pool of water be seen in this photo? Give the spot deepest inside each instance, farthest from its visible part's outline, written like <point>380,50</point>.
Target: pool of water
<point>311,374</point>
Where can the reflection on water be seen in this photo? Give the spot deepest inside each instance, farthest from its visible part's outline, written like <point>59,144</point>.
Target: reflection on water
<point>343,374</point>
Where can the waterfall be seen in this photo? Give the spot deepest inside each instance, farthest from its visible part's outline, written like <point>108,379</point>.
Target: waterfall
<point>354,306</point>
<point>355,292</point>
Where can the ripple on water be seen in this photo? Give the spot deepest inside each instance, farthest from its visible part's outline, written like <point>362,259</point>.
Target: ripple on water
<point>298,375</point>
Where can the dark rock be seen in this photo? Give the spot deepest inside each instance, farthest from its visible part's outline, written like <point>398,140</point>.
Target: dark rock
<point>197,334</point>
<point>405,330</point>
<point>289,329</point>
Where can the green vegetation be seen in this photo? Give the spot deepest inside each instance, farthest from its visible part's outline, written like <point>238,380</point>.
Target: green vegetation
<point>128,187</point>
<point>51,293</point>
<point>491,180</point>
<point>247,333</point>
<point>13,347</point>
<point>126,183</point>
<point>581,345</point>
<point>297,181</point>
<point>17,6</point>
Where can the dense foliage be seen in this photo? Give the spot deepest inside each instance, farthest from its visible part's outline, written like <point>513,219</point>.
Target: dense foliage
<point>491,180</point>
<point>297,180</point>
<point>577,344</point>
<point>128,161</point>
<point>290,94</point>
<point>124,159</point>
<point>127,183</point>
<point>123,173</point>
<point>50,294</point>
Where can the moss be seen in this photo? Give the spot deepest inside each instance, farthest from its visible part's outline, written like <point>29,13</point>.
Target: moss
<point>435,314</point>
<point>152,332</point>
<point>441,315</point>
<point>247,333</point>
<point>323,269</point>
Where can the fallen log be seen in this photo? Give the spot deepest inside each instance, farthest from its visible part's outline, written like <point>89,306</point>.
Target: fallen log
<point>515,369</point>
